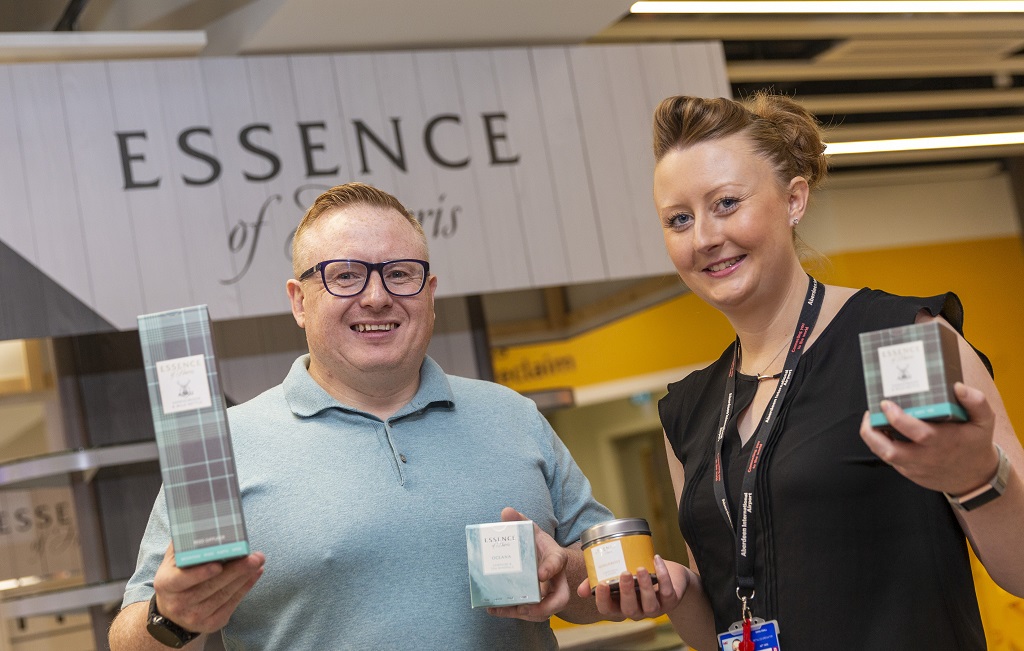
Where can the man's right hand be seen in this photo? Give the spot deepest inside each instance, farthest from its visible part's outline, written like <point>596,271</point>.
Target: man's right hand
<point>202,598</point>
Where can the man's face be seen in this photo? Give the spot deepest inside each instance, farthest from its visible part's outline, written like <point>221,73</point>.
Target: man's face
<point>372,334</point>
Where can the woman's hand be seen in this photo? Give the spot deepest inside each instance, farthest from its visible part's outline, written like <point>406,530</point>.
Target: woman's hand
<point>952,457</point>
<point>639,598</point>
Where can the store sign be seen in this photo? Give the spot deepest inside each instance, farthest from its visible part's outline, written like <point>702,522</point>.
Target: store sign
<point>141,186</point>
<point>38,534</point>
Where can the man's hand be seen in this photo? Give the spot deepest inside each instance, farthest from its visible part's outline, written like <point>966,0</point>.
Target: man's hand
<point>551,563</point>
<point>202,598</point>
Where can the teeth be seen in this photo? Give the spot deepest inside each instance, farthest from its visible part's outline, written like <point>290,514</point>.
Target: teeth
<point>373,327</point>
<point>723,265</point>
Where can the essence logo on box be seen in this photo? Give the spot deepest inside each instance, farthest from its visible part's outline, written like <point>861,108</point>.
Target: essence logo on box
<point>904,369</point>
<point>500,554</point>
<point>183,384</point>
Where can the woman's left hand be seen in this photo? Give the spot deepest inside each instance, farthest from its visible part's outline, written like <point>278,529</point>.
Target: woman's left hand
<point>952,457</point>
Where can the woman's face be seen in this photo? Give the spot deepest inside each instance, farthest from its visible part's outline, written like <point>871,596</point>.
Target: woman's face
<point>727,221</point>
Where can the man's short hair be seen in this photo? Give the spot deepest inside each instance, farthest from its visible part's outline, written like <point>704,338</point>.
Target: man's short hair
<point>343,196</point>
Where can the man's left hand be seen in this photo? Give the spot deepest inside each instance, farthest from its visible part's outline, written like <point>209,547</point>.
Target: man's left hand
<point>551,564</point>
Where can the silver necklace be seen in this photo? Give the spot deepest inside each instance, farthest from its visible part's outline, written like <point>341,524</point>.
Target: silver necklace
<point>761,377</point>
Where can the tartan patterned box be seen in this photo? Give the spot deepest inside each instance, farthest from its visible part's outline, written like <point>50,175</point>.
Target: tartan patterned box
<point>915,366</point>
<point>502,564</point>
<point>194,444</point>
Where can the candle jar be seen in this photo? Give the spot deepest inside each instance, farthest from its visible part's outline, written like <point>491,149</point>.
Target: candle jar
<point>617,546</point>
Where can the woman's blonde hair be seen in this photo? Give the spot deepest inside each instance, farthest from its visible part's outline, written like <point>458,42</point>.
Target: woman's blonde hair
<point>782,131</point>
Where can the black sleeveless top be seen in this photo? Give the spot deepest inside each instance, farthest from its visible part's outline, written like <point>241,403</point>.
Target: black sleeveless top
<point>849,553</point>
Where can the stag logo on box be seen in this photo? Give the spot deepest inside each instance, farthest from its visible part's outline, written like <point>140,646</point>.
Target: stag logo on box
<point>183,384</point>
<point>904,369</point>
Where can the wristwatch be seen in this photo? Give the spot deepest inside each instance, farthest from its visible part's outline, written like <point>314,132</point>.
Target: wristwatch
<point>993,489</point>
<point>165,631</point>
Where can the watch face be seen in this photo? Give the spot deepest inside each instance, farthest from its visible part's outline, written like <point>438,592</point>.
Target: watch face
<point>163,634</point>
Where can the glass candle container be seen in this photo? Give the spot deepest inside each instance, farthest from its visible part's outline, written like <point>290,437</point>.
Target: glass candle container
<point>617,546</point>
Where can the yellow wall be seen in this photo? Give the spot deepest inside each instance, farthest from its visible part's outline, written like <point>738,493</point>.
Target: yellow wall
<point>675,333</point>
<point>988,276</point>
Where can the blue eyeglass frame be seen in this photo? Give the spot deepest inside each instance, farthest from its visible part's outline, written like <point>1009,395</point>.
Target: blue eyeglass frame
<point>370,268</point>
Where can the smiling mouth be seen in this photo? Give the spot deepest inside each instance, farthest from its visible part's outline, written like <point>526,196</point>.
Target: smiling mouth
<point>725,264</point>
<point>374,327</point>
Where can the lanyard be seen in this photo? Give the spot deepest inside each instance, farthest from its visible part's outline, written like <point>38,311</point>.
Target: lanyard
<point>745,536</point>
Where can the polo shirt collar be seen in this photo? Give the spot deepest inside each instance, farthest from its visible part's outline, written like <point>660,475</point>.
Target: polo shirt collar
<point>307,398</point>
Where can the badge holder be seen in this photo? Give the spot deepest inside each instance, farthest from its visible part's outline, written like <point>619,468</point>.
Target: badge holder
<point>750,633</point>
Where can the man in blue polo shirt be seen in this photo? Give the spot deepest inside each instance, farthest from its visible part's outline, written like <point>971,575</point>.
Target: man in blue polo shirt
<point>360,471</point>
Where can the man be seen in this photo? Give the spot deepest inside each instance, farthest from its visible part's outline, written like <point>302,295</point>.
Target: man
<point>360,471</point>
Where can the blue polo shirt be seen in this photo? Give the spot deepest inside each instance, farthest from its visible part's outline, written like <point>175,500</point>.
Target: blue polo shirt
<point>363,521</point>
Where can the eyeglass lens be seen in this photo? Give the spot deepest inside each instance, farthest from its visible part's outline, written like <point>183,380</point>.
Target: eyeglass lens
<point>349,277</point>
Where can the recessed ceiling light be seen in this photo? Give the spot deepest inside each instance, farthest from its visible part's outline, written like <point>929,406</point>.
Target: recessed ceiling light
<point>918,144</point>
<point>832,7</point>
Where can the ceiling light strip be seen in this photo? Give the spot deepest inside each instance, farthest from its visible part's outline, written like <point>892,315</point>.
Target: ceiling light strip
<point>918,144</point>
<point>829,7</point>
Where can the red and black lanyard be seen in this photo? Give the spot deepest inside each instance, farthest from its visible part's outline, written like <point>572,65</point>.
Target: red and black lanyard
<point>745,536</point>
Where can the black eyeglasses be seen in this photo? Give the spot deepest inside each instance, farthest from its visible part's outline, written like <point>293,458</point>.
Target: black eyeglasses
<point>346,278</point>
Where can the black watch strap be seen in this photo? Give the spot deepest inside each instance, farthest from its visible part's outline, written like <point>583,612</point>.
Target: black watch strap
<point>165,631</point>
<point>990,491</point>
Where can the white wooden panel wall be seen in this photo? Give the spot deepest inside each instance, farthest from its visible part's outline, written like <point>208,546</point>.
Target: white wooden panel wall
<point>274,97</point>
<point>573,205</point>
<point>397,84</point>
<point>15,225</point>
<point>314,93</point>
<point>576,210</point>
<point>228,89</point>
<point>158,229</point>
<point>533,178</point>
<point>500,209</point>
<point>609,176</point>
<point>50,181</point>
<point>459,263</point>
<point>360,100</point>
<point>200,207</point>
<point>629,99</point>
<point>112,251</point>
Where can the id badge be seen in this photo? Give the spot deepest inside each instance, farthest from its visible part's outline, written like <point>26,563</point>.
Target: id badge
<point>765,635</point>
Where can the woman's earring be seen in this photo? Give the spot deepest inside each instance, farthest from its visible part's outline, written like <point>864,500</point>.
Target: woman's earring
<point>796,220</point>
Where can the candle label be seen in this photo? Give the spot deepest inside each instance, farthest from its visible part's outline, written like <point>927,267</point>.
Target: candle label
<point>904,369</point>
<point>609,561</point>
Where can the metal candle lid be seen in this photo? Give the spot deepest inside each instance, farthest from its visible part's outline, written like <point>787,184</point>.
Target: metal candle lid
<point>615,528</point>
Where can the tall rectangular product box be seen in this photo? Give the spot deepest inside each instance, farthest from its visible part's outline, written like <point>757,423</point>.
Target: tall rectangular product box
<point>196,460</point>
<point>916,367</point>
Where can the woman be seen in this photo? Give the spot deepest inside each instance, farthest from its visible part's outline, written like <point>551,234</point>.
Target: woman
<point>838,531</point>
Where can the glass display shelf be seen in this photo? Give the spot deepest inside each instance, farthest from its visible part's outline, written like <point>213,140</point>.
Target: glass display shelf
<point>60,596</point>
<point>86,460</point>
